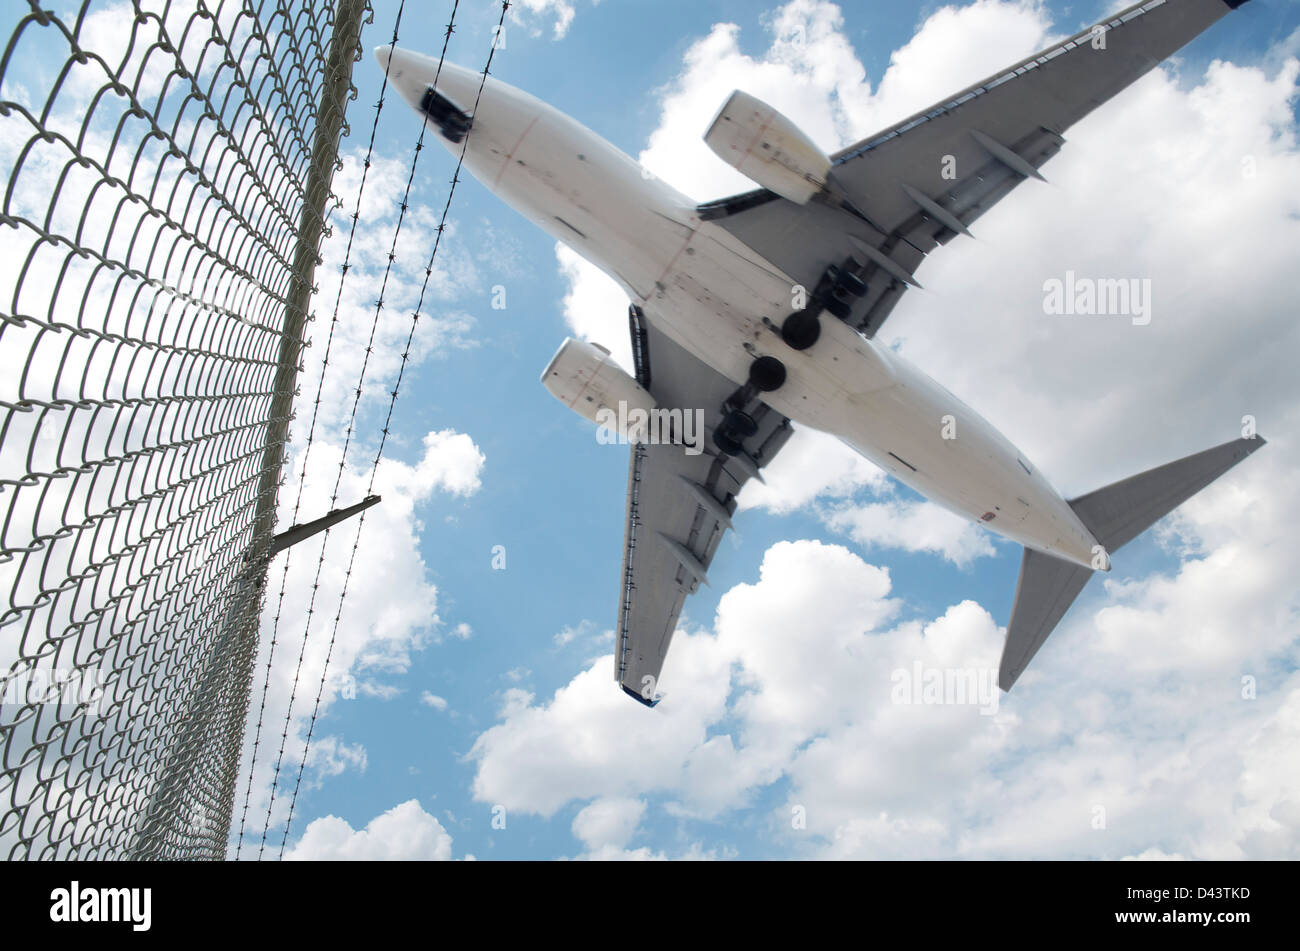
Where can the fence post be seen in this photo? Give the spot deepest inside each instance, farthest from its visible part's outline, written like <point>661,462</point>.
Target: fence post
<point>218,709</point>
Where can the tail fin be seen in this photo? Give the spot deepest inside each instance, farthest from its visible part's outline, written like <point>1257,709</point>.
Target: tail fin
<point>1115,515</point>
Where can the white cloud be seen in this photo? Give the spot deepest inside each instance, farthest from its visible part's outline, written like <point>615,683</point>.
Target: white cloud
<point>608,822</point>
<point>433,700</point>
<point>606,826</point>
<point>912,526</point>
<point>330,756</point>
<point>590,741</point>
<point>1133,715</point>
<point>404,833</point>
<point>595,307</point>
<point>586,633</point>
<point>560,12</point>
<point>1153,855</point>
<point>391,609</point>
<point>795,683</point>
<point>812,465</point>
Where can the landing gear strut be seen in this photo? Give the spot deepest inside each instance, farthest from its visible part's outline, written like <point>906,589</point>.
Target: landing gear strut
<point>765,375</point>
<point>835,294</point>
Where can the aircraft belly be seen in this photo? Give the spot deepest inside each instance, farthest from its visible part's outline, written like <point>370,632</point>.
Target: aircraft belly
<point>584,192</point>
<point>720,302</point>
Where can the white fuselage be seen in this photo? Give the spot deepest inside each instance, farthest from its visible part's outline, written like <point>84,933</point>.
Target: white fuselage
<point>723,303</point>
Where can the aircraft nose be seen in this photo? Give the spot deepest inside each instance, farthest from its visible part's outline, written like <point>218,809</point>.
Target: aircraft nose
<point>411,74</point>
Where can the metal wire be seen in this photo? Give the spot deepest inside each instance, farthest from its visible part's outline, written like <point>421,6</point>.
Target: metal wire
<point>397,386</point>
<point>164,166</point>
<point>345,268</point>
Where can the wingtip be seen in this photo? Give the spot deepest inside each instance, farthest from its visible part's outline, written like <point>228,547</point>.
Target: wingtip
<point>1007,678</point>
<point>640,699</point>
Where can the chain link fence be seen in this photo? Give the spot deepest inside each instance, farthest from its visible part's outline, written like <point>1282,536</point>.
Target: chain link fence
<point>167,171</point>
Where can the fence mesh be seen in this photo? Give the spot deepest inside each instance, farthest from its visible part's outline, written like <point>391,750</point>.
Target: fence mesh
<point>167,168</point>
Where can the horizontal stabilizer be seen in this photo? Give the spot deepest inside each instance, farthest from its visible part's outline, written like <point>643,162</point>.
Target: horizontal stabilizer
<point>1045,591</point>
<point>1124,510</point>
<point>1115,515</point>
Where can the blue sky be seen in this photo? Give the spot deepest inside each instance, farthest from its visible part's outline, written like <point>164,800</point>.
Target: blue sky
<point>396,775</point>
<point>551,494</point>
<point>1160,721</point>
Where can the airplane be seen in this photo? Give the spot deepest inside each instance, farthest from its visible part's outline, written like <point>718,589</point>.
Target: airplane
<point>763,308</point>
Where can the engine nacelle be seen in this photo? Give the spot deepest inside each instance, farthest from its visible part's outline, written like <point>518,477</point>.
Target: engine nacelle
<point>768,148</point>
<point>582,376</point>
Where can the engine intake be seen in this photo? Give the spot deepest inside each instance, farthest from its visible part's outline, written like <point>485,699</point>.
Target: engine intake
<point>768,148</point>
<point>584,378</point>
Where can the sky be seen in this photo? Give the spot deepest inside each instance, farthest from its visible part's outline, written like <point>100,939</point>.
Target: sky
<point>469,708</point>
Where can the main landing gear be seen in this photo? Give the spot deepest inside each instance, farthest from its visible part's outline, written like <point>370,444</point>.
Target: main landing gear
<point>765,375</point>
<point>835,293</point>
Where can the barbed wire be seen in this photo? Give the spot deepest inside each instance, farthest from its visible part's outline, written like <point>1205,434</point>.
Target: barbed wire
<point>168,197</point>
<point>311,433</point>
<point>397,386</point>
<point>403,207</point>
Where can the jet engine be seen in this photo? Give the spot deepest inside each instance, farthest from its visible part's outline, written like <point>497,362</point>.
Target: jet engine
<point>768,148</point>
<point>584,378</point>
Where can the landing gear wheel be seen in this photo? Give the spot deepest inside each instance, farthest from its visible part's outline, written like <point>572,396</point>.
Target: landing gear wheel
<point>733,430</point>
<point>850,283</point>
<point>739,425</point>
<point>725,443</point>
<point>767,374</point>
<point>801,330</point>
<point>838,307</point>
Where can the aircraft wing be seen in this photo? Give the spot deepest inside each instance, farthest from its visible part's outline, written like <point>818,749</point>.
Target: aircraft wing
<point>918,184</point>
<point>679,506</point>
